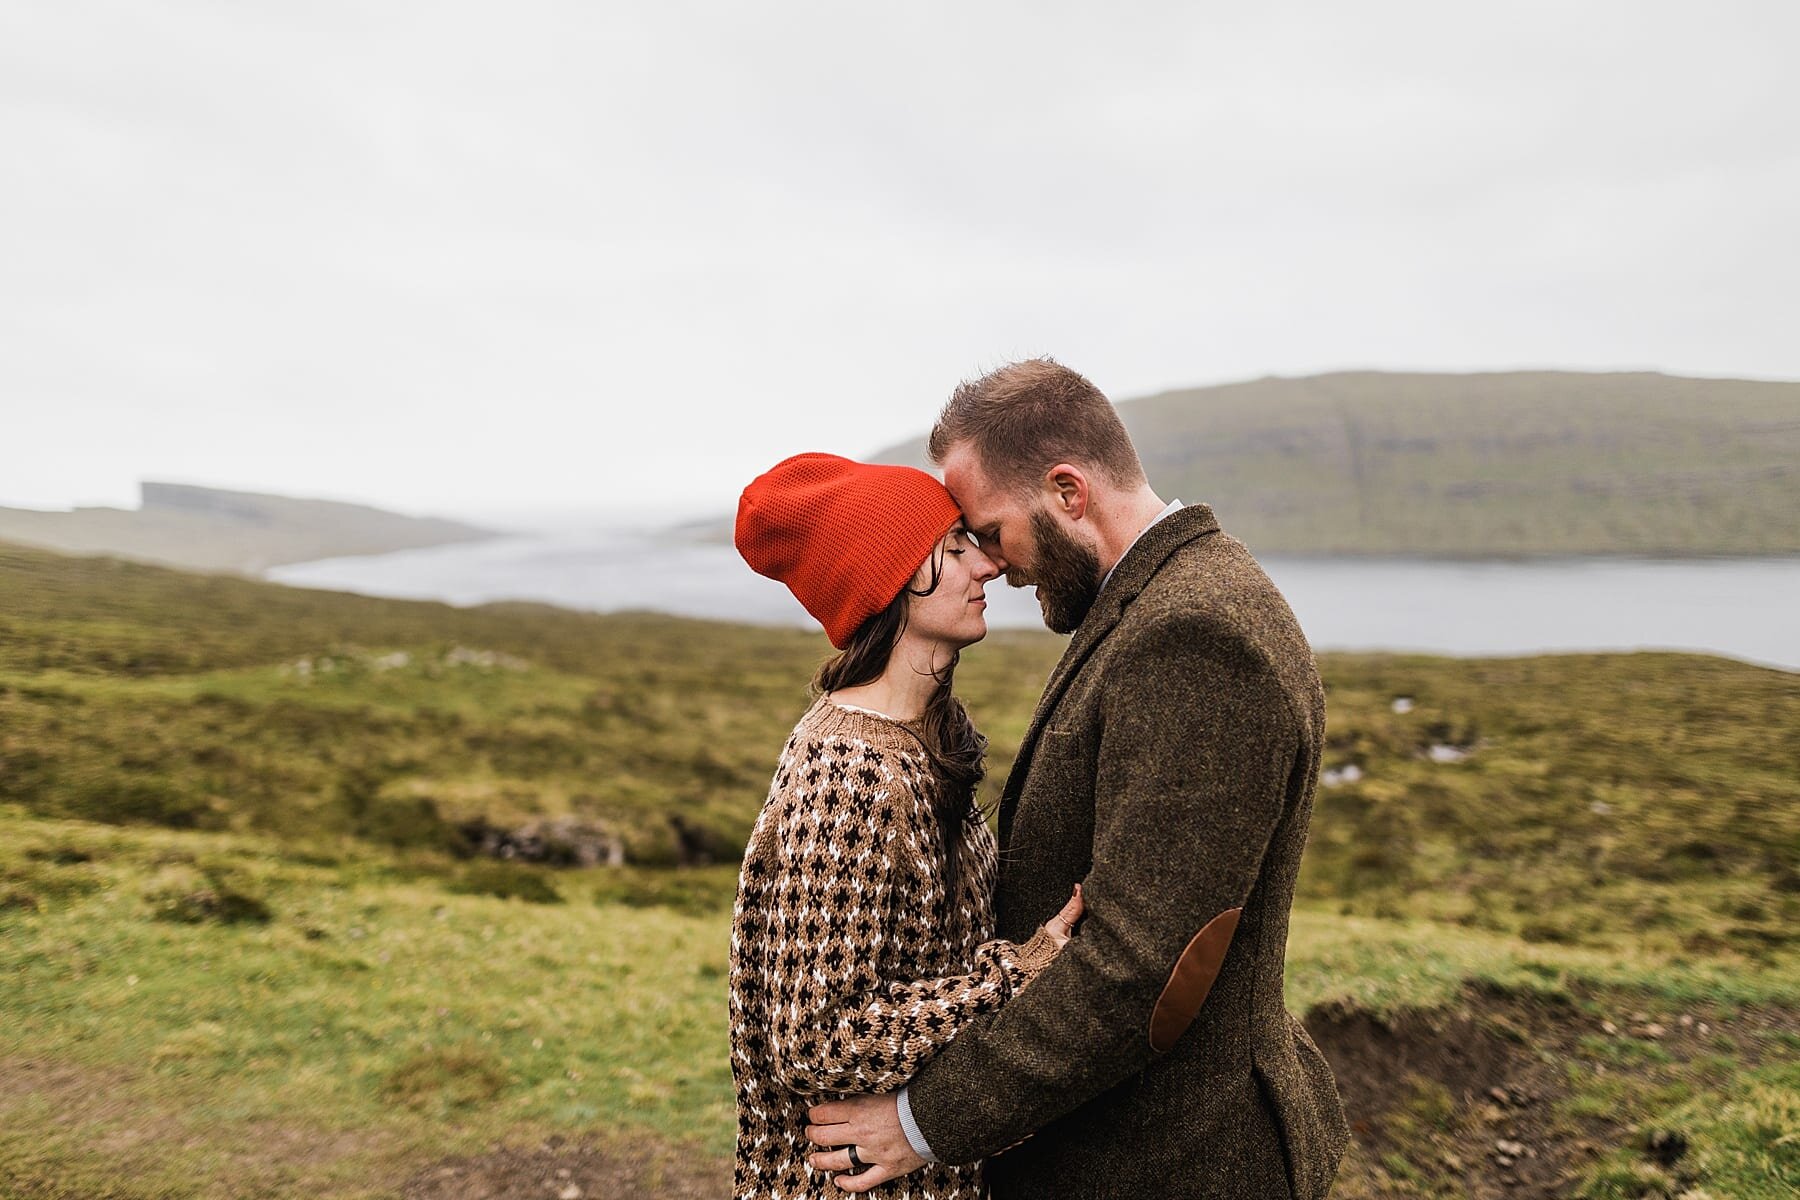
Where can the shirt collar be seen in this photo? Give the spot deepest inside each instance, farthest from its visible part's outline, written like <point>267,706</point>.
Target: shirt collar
<point>1173,506</point>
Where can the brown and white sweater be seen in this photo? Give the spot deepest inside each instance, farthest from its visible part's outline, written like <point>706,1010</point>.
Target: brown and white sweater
<point>850,967</point>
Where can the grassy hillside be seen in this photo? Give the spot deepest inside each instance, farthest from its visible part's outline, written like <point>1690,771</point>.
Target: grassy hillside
<point>255,948</point>
<point>137,694</point>
<point>206,529</point>
<point>1512,463</point>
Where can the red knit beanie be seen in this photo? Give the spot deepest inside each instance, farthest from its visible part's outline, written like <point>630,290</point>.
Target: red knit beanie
<point>844,536</point>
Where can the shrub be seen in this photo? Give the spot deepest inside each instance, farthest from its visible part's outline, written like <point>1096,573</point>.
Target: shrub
<point>454,1077</point>
<point>1543,930</point>
<point>408,822</point>
<point>43,883</point>
<point>214,898</point>
<point>146,801</point>
<point>507,881</point>
<point>62,856</point>
<point>696,892</point>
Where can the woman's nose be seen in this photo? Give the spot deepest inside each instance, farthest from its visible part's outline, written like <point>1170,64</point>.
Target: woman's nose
<point>984,567</point>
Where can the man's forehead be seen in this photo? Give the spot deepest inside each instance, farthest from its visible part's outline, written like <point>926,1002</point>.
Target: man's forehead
<point>970,485</point>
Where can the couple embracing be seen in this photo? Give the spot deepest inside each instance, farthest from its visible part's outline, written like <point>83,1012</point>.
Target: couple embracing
<point>1092,1006</point>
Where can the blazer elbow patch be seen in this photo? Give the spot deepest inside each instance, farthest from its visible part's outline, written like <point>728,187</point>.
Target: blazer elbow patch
<point>1191,980</point>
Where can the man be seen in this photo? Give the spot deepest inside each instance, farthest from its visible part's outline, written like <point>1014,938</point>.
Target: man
<point>1169,769</point>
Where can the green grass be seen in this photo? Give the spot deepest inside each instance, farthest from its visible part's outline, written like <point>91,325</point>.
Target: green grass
<point>1736,1125</point>
<point>1650,800</point>
<point>1389,966</point>
<point>379,1002</point>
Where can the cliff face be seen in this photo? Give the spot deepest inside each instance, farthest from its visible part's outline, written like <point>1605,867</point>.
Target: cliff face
<point>204,501</point>
<point>210,529</point>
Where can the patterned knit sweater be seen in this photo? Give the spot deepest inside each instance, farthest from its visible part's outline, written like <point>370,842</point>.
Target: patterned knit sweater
<point>849,965</point>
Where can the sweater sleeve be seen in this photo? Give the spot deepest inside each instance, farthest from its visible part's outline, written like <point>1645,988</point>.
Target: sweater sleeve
<point>845,858</point>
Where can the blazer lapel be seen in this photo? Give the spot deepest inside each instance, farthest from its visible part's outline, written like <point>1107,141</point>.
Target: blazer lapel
<point>1129,578</point>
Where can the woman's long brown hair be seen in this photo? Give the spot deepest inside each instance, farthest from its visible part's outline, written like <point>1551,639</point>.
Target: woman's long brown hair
<point>958,753</point>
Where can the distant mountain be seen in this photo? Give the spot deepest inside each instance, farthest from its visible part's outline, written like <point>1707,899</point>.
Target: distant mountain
<point>1481,465</point>
<point>206,529</point>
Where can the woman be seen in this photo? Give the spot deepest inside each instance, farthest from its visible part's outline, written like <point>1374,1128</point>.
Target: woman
<point>862,935</point>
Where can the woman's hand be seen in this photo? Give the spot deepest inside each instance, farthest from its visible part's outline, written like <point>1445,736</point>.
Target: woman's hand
<point>1061,927</point>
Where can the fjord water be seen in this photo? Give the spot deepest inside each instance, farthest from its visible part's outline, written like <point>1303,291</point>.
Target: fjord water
<point>1742,608</point>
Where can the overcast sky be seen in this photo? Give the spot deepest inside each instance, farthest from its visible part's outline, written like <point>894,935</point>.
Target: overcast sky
<point>475,259</point>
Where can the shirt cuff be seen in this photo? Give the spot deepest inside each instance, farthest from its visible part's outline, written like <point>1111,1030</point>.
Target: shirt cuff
<point>910,1128</point>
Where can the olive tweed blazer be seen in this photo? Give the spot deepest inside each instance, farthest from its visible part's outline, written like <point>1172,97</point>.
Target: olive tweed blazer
<point>1170,769</point>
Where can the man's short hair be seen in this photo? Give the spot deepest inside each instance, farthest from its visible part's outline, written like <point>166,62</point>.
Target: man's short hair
<point>1028,416</point>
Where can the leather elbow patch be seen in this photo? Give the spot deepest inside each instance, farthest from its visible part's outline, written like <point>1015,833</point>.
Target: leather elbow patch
<point>1191,980</point>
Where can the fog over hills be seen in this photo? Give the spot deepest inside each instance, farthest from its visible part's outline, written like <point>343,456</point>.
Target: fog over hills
<point>208,529</point>
<point>1479,465</point>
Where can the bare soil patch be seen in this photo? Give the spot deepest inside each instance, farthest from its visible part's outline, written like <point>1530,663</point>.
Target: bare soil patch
<point>574,1169</point>
<point>1468,1102</point>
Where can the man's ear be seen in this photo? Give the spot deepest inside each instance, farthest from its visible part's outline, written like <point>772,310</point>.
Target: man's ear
<point>1068,485</point>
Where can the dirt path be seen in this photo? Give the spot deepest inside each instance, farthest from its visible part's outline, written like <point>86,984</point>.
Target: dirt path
<point>110,1139</point>
<point>574,1169</point>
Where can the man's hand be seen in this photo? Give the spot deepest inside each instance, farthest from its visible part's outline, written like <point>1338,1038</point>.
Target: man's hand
<point>872,1125</point>
<point>1061,927</point>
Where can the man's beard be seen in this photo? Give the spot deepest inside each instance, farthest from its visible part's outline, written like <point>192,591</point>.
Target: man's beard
<point>1067,574</point>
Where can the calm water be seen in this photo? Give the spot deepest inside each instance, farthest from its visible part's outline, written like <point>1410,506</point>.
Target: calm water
<point>1745,608</point>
